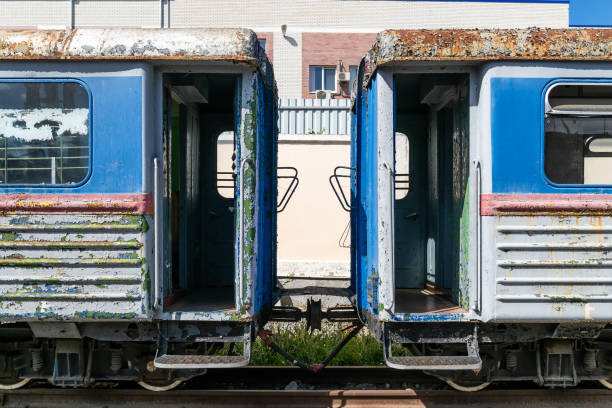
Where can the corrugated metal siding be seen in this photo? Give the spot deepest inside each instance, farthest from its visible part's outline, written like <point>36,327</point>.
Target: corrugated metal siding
<point>72,266</point>
<point>314,116</point>
<point>552,267</point>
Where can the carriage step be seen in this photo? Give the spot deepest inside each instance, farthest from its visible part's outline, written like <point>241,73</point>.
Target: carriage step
<point>186,361</point>
<point>199,361</point>
<point>470,362</point>
<point>435,362</point>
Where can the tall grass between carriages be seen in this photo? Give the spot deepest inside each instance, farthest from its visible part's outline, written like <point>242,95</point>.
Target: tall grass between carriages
<point>314,347</point>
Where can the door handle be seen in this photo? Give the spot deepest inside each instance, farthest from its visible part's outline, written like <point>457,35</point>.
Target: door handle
<point>412,217</point>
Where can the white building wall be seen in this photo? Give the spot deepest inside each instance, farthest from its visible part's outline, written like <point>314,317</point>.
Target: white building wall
<point>28,14</point>
<point>298,15</point>
<point>370,16</point>
<point>288,63</point>
<point>123,13</point>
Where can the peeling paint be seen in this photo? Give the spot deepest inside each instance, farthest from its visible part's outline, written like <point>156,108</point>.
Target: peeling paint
<point>43,274</point>
<point>537,44</point>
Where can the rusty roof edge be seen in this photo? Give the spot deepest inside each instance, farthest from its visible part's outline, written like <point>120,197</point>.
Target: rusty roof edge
<point>483,45</point>
<point>232,45</point>
<point>238,45</point>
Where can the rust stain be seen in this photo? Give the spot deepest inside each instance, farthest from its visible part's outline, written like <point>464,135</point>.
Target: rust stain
<point>232,45</point>
<point>489,45</point>
<point>67,203</point>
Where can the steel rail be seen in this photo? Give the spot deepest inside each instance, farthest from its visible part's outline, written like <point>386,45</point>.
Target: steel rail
<point>49,398</point>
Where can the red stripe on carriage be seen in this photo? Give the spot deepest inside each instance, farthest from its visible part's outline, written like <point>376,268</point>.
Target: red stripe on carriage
<point>136,204</point>
<point>545,204</point>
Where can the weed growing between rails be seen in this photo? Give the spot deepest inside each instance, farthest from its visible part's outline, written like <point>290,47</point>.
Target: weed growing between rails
<point>314,347</point>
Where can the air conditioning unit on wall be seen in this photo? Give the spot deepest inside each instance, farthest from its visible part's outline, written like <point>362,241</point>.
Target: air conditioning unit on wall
<point>324,94</point>
<point>344,76</point>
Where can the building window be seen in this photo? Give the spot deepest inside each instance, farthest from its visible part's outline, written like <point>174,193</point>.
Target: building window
<point>322,79</point>
<point>353,69</point>
<point>262,43</point>
<point>578,134</point>
<point>44,133</point>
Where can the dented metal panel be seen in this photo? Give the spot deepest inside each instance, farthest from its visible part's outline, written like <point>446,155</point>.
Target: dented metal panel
<point>67,266</point>
<point>553,267</point>
<point>394,46</point>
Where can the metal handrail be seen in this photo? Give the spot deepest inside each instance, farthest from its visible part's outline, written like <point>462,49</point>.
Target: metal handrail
<point>157,243</point>
<point>295,181</point>
<point>344,202</point>
<point>478,303</point>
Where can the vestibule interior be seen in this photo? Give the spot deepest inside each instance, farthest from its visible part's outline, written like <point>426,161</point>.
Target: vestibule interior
<point>431,192</point>
<point>199,145</point>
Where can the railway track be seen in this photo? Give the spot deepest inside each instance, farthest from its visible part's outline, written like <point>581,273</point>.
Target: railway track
<point>49,398</point>
<point>333,387</point>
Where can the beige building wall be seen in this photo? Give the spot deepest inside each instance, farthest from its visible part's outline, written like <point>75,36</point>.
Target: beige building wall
<point>310,228</point>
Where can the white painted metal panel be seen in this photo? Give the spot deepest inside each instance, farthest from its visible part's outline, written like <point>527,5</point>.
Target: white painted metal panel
<point>553,268</point>
<point>59,266</point>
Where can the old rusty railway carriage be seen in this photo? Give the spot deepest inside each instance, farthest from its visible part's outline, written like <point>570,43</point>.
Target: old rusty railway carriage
<point>481,203</point>
<point>138,203</point>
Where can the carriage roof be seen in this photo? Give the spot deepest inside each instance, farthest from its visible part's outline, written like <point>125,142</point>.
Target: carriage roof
<point>237,45</point>
<point>477,46</point>
<point>214,45</point>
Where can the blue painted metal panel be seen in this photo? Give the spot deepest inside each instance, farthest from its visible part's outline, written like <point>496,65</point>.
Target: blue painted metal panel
<point>517,138</point>
<point>267,135</point>
<point>365,211</point>
<point>116,165</point>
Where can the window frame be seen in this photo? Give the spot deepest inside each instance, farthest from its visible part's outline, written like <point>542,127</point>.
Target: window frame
<point>324,67</point>
<point>235,180</point>
<point>544,110</point>
<point>89,130</point>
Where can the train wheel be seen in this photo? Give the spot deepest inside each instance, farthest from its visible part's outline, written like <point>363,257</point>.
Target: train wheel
<point>158,387</point>
<point>606,384</point>
<point>469,386</point>
<point>14,385</point>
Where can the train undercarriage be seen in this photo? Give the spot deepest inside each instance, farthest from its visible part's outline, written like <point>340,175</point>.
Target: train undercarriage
<point>551,355</point>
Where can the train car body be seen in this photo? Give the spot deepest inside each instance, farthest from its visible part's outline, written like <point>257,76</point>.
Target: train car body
<point>481,202</point>
<point>127,250</point>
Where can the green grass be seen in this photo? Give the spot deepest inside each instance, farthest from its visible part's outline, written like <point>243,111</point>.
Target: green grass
<point>314,347</point>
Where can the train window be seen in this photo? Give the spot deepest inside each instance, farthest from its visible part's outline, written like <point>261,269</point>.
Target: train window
<point>578,134</point>
<point>402,165</point>
<point>225,160</point>
<point>44,133</point>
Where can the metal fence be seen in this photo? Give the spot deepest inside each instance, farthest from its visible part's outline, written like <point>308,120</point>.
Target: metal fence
<point>314,116</point>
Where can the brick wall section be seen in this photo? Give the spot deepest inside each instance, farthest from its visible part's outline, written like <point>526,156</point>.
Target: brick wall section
<point>269,37</point>
<point>328,49</point>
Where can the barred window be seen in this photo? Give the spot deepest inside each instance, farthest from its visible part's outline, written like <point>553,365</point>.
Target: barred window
<point>44,133</point>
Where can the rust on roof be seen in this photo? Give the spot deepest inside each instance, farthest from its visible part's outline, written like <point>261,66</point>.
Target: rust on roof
<point>238,45</point>
<point>489,45</point>
<point>146,44</point>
